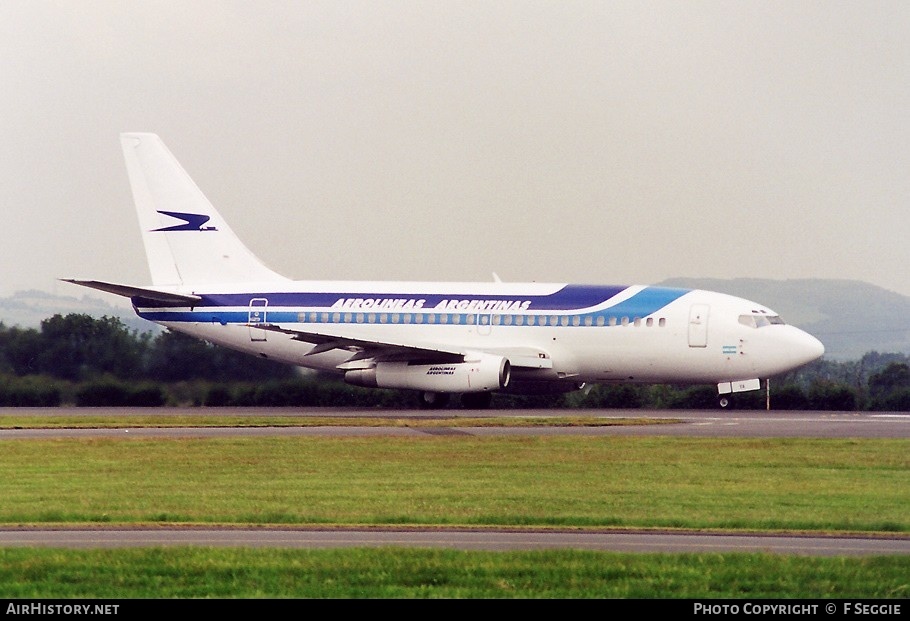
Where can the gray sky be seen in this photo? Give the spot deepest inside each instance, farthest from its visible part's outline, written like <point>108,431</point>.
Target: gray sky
<point>566,141</point>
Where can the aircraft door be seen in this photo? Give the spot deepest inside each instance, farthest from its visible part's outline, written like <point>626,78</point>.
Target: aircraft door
<point>698,325</point>
<point>258,316</point>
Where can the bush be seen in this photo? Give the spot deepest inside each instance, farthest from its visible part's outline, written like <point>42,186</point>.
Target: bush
<point>101,394</point>
<point>146,396</point>
<point>218,395</point>
<point>108,393</point>
<point>282,394</point>
<point>30,392</point>
<point>621,396</point>
<point>898,400</point>
<point>789,397</point>
<point>824,395</point>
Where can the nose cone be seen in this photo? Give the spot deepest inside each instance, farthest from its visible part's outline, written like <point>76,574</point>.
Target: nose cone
<point>806,348</point>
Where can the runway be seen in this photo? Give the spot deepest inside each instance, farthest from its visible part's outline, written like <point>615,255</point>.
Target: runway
<point>691,423</point>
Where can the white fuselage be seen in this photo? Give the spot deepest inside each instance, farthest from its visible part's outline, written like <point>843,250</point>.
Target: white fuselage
<point>549,332</point>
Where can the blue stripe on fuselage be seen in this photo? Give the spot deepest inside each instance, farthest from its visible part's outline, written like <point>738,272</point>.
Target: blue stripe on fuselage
<point>570,297</point>
<point>572,300</point>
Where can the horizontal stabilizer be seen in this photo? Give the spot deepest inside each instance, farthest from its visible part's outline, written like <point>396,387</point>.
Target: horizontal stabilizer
<point>178,299</point>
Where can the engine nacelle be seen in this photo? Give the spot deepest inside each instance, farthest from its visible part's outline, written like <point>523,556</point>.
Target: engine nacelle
<point>485,372</point>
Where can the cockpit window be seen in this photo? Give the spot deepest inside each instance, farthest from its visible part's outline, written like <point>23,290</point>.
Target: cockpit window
<point>759,320</point>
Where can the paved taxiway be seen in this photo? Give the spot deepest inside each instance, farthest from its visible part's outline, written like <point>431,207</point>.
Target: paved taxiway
<point>700,423</point>
<point>486,539</point>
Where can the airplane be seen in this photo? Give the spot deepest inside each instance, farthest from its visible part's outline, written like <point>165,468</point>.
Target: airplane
<point>437,339</point>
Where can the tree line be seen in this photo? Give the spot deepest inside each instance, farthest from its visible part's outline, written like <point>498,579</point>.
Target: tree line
<point>79,360</point>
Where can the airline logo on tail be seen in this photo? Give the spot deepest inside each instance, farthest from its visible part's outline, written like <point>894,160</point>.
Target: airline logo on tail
<point>191,222</point>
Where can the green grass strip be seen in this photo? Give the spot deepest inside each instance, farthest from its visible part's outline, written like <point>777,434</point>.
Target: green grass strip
<point>417,573</point>
<point>706,483</point>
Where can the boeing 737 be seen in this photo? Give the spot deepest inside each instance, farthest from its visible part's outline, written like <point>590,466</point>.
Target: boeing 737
<point>438,339</point>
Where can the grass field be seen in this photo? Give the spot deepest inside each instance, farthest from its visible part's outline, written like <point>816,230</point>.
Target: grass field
<point>806,485</point>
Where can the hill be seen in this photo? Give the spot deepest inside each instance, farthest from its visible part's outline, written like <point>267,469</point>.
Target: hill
<point>850,317</point>
<point>27,309</point>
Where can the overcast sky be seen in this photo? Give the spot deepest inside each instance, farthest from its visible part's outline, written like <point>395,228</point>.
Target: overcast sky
<point>563,141</point>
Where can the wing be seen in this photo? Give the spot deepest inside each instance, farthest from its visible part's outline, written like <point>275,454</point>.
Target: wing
<point>365,352</point>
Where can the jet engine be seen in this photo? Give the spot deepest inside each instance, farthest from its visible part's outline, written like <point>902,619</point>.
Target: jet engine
<point>480,373</point>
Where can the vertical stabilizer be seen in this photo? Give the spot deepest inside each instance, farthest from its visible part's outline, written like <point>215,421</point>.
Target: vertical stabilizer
<point>187,242</point>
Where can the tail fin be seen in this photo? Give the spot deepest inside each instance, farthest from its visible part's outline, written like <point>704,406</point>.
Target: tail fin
<point>186,240</point>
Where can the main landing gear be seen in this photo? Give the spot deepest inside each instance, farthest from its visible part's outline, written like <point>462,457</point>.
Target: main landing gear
<point>469,400</point>
<point>433,400</point>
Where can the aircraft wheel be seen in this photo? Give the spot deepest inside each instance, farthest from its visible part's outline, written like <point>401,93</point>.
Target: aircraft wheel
<point>476,400</point>
<point>433,400</point>
<point>724,403</point>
